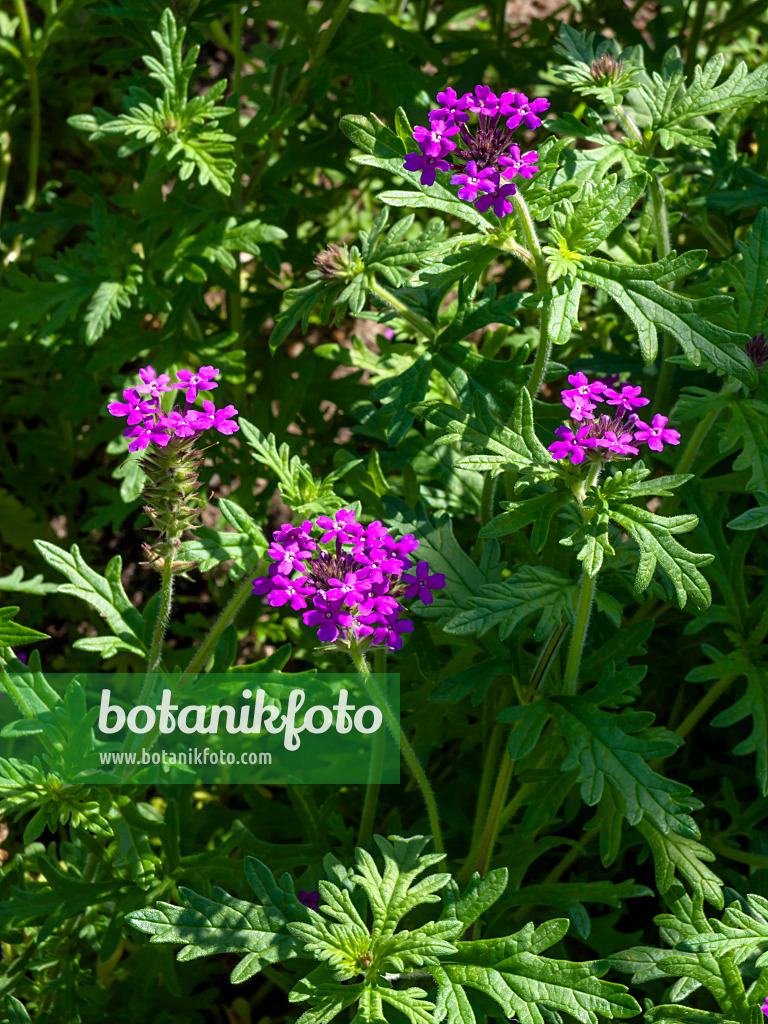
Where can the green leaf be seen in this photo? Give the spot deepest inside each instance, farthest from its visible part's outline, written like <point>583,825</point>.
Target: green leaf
<point>439,547</point>
<point>741,933</point>
<point>539,509</point>
<point>653,534</point>
<point>750,276</point>
<point>495,447</point>
<point>602,208</point>
<point>105,594</point>
<point>16,584</point>
<point>673,104</point>
<point>564,310</point>
<point>615,748</point>
<point>222,924</point>
<point>637,290</point>
<point>13,633</point>
<point>753,519</point>
<point>529,591</point>
<point>674,853</point>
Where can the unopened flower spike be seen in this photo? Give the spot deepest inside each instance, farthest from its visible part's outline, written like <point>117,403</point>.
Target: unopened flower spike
<point>349,581</point>
<point>472,135</point>
<point>602,437</point>
<point>172,456</point>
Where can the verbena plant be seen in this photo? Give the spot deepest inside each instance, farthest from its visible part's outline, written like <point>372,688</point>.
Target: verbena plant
<point>511,444</point>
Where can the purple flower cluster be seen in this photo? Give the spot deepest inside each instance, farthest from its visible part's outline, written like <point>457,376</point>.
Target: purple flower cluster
<point>607,436</point>
<point>483,155</point>
<point>148,423</point>
<point>353,587</point>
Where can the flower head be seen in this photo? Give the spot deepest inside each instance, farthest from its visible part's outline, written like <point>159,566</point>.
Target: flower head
<point>764,1008</point>
<point>605,437</point>
<point>151,383</point>
<point>482,153</point>
<point>349,580</point>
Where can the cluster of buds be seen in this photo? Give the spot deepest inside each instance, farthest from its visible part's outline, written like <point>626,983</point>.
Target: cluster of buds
<point>606,69</point>
<point>607,436</point>
<point>171,459</point>
<point>757,350</point>
<point>350,582</point>
<point>482,154</point>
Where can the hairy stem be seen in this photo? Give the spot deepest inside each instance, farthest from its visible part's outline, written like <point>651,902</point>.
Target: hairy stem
<point>544,349</point>
<point>695,36</point>
<point>579,635</point>
<point>228,613</point>
<point>406,749</point>
<point>166,601</point>
<point>418,323</point>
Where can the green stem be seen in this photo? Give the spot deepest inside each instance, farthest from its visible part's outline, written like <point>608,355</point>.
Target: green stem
<point>235,297</point>
<point>695,442</point>
<point>487,497</point>
<point>418,323</point>
<point>5,166</point>
<point>481,848</point>
<point>166,601</point>
<point>228,613</point>
<point>695,36</point>
<point>490,760</point>
<point>406,749</point>
<point>699,710</point>
<point>754,860</point>
<point>374,777</point>
<point>544,349</point>
<point>30,63</point>
<point>583,611</point>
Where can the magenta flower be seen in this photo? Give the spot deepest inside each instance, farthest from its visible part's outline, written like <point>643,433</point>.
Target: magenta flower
<point>351,590</point>
<point>194,382</point>
<point>342,526</point>
<point>483,101</point>
<point>436,141</point>
<point>379,562</point>
<point>628,398</point>
<point>143,435</point>
<point>764,1008</point>
<point>518,109</point>
<point>178,425</point>
<point>498,200</point>
<point>219,419</point>
<point>356,589</point>
<point>309,899</point>
<point>151,384</point>
<point>452,105</point>
<point>428,165</point>
<point>473,181</point>
<point>657,434</point>
<point>619,445</point>
<point>288,591</point>
<point>329,618</point>
<point>134,406</point>
<point>570,445</point>
<point>422,584</point>
<point>526,165</point>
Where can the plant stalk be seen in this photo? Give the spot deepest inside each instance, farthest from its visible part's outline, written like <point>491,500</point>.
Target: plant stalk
<point>418,323</point>
<point>406,749</point>
<point>544,349</point>
<point>373,787</point>
<point>228,613</point>
<point>583,611</point>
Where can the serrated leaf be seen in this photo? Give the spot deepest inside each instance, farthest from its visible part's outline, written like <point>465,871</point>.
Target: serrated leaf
<point>637,290</point>
<point>673,854</point>
<point>12,633</point>
<point>615,748</point>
